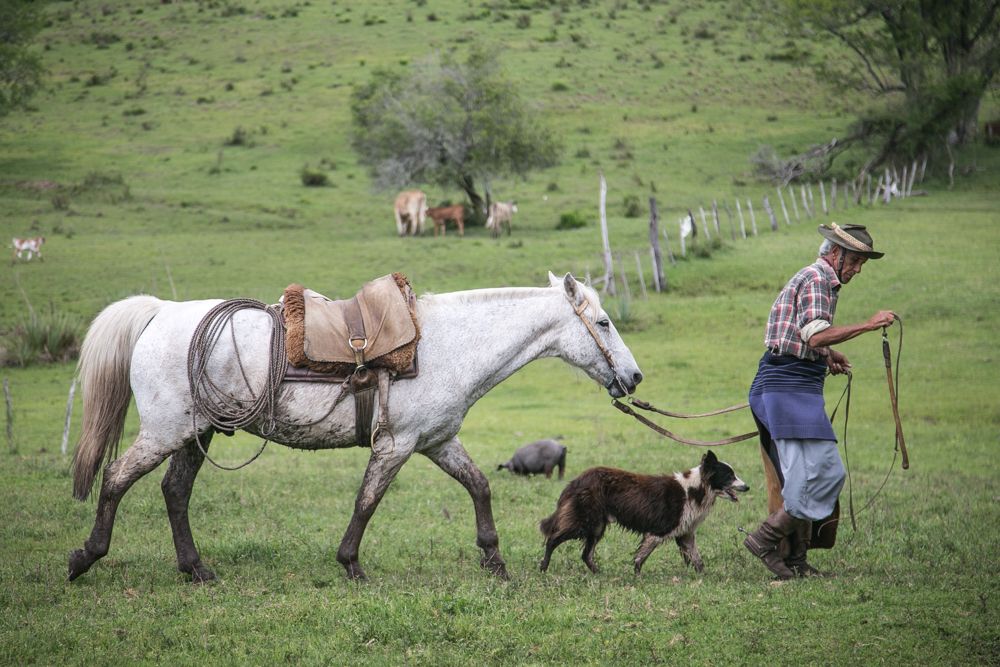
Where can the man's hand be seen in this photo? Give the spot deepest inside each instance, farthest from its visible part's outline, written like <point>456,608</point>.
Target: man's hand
<point>837,362</point>
<point>883,318</point>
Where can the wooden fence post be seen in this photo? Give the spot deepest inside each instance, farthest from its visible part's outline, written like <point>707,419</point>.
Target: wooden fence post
<point>11,445</point>
<point>833,194</point>
<point>704,223</point>
<point>784,209</point>
<point>886,195</point>
<point>743,224</point>
<point>795,207</point>
<point>753,218</point>
<point>659,280</point>
<point>805,200</point>
<point>812,202</point>
<point>770,214</point>
<point>642,276</point>
<point>902,183</point>
<point>680,232</point>
<point>670,253</point>
<point>729,217</point>
<point>913,175</point>
<point>609,276</point>
<point>69,414</point>
<point>626,292</point>
<point>870,199</point>
<point>923,168</point>
<point>822,195</point>
<point>715,217</point>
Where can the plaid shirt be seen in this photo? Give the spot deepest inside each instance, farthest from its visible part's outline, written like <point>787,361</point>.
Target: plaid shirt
<point>810,295</point>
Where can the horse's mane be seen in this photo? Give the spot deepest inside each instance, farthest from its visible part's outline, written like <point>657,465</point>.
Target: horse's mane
<point>491,294</point>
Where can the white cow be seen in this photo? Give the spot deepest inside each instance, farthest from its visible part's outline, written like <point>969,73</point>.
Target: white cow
<point>31,246</point>
<point>500,215</point>
<point>411,210</point>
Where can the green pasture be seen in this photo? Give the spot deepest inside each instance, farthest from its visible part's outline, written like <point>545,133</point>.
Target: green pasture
<point>123,166</point>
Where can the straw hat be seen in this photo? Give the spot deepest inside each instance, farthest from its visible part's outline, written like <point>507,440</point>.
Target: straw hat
<point>851,237</point>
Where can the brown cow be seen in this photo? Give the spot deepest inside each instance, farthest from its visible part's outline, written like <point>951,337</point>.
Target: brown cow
<point>442,214</point>
<point>410,210</point>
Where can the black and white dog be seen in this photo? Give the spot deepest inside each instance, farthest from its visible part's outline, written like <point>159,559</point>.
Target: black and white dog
<point>657,506</point>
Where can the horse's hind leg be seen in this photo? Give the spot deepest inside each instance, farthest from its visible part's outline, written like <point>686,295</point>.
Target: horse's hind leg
<point>176,487</point>
<point>451,457</point>
<point>119,476</point>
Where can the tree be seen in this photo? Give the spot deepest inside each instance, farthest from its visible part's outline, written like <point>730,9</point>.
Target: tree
<point>20,70</point>
<point>926,64</point>
<point>449,123</point>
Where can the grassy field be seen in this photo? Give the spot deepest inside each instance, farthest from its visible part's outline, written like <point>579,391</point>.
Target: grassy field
<point>124,168</point>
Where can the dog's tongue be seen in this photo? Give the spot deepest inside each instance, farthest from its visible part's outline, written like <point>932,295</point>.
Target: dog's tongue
<point>732,496</point>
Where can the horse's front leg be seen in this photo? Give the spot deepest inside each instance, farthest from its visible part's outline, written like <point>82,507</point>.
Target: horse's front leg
<point>451,457</point>
<point>385,462</point>
<point>176,487</point>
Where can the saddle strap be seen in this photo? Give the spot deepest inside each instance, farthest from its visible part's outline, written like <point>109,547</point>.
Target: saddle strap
<point>364,386</point>
<point>356,330</point>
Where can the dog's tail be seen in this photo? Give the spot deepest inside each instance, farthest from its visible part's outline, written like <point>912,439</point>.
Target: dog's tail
<point>547,526</point>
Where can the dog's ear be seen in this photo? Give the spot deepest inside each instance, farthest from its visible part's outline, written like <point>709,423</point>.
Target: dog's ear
<point>708,462</point>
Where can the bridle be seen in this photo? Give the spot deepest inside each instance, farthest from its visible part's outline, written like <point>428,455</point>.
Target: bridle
<point>580,311</point>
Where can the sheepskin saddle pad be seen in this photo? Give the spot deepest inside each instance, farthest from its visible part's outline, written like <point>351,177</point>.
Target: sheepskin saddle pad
<point>317,328</point>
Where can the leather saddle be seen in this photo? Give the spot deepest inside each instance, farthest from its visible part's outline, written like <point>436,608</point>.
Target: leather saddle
<point>377,328</point>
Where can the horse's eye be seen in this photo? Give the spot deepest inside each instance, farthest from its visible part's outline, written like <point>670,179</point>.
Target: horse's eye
<point>604,323</point>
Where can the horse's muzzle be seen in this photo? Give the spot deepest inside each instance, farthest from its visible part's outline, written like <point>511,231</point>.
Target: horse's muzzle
<point>618,387</point>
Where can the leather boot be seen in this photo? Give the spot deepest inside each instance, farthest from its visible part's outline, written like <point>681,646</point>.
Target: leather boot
<point>765,542</point>
<point>800,539</point>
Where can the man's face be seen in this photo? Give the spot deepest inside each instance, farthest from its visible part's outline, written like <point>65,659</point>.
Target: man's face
<point>852,264</point>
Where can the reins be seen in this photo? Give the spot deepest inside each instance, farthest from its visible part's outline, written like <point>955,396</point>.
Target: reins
<point>673,436</point>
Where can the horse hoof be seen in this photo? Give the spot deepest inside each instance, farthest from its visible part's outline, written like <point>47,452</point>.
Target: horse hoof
<point>78,563</point>
<point>201,575</point>
<point>355,573</point>
<point>496,567</point>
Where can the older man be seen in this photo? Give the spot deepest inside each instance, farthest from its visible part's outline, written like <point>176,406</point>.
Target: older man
<point>787,396</point>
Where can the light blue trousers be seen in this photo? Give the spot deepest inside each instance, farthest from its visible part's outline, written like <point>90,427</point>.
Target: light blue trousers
<point>814,476</point>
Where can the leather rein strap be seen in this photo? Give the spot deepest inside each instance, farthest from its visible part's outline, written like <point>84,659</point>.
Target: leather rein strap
<point>673,436</point>
<point>580,311</point>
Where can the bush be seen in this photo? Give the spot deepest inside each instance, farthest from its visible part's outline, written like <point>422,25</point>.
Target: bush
<point>51,337</point>
<point>571,220</point>
<point>632,207</point>
<point>240,137</point>
<point>313,178</point>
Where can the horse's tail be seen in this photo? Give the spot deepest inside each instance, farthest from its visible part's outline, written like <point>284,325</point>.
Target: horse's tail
<point>105,359</point>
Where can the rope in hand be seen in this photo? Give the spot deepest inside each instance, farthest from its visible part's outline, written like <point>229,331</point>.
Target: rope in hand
<point>893,397</point>
<point>224,411</point>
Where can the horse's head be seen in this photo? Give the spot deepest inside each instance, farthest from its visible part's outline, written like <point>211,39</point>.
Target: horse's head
<point>591,342</point>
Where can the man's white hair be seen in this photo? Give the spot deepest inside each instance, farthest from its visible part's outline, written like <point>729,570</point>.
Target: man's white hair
<point>825,247</point>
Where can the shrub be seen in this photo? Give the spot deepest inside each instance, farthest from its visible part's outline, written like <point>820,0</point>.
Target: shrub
<point>559,87</point>
<point>523,21</point>
<point>47,338</point>
<point>632,207</point>
<point>240,137</point>
<point>313,178</point>
<point>571,220</point>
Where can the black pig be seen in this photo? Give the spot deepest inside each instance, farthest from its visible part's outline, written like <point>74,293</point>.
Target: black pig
<point>540,456</point>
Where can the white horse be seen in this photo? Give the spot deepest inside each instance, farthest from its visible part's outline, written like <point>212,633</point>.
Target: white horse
<point>470,342</point>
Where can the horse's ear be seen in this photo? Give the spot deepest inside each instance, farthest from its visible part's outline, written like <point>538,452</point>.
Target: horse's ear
<point>572,288</point>
<point>553,281</point>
